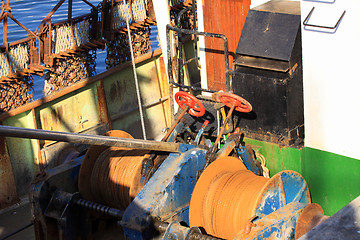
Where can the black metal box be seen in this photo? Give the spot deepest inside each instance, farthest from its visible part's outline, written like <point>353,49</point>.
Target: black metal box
<point>268,73</point>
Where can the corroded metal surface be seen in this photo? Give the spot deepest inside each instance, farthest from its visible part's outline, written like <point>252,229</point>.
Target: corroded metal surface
<point>160,196</point>
<point>278,225</point>
<point>187,19</point>
<point>8,194</point>
<point>72,114</point>
<point>102,105</point>
<point>345,224</point>
<point>310,217</point>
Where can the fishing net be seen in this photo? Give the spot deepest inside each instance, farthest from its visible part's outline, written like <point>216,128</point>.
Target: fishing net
<point>118,50</point>
<point>69,70</point>
<point>186,19</point>
<point>16,93</point>
<point>18,56</point>
<point>122,11</point>
<point>67,36</point>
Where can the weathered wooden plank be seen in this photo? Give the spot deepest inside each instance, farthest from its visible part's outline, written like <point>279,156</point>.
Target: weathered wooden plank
<point>228,18</point>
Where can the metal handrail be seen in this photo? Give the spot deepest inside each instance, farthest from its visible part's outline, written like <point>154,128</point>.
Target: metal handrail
<point>306,20</point>
<point>206,34</point>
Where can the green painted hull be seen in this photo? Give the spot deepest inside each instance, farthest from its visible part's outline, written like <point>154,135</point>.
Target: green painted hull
<point>333,180</point>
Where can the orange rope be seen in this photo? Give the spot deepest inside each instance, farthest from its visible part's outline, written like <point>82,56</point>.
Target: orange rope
<point>115,179</point>
<point>229,199</point>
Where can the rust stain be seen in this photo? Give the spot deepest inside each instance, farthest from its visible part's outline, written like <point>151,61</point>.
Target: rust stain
<point>39,156</point>
<point>310,217</point>
<point>60,113</point>
<point>153,75</point>
<point>165,91</point>
<point>44,121</point>
<point>2,146</point>
<point>78,85</point>
<point>117,90</point>
<point>102,104</point>
<point>54,116</point>
<point>8,193</point>
<point>113,90</point>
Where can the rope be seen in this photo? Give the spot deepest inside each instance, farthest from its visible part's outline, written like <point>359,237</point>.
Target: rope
<point>116,176</point>
<point>225,197</point>
<point>262,160</point>
<point>218,126</point>
<point>136,79</point>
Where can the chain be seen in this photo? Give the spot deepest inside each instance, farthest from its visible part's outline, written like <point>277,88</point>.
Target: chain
<point>16,93</point>
<point>118,51</point>
<point>70,70</point>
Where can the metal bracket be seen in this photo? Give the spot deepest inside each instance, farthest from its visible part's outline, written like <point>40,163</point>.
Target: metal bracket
<point>305,22</point>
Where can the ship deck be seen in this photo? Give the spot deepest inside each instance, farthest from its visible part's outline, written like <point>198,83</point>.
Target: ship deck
<point>14,218</point>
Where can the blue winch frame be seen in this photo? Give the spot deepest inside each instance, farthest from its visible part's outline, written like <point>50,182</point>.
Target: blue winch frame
<point>166,197</point>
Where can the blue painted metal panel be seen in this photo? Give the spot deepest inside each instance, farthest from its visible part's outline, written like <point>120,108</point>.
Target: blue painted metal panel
<point>283,188</point>
<point>167,194</point>
<point>248,162</point>
<point>295,188</point>
<point>177,129</point>
<point>280,224</point>
<point>272,203</point>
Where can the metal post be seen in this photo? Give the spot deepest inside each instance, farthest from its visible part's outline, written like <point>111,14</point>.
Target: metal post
<point>135,77</point>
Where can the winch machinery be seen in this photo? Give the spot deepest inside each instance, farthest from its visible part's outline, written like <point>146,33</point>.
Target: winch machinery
<point>192,189</point>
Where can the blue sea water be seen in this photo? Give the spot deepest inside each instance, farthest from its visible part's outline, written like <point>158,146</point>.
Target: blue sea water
<point>31,12</point>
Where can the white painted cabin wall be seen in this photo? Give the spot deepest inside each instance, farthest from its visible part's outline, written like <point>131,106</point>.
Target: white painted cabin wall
<point>163,18</point>
<point>201,46</point>
<point>162,12</point>
<point>331,65</point>
<point>161,9</point>
<point>255,3</point>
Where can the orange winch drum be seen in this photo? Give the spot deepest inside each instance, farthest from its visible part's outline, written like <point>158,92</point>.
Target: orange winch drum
<point>227,195</point>
<point>111,175</point>
<point>116,177</point>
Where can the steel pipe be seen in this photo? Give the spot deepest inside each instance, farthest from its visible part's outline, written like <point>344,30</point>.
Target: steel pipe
<point>88,139</point>
<point>113,212</point>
